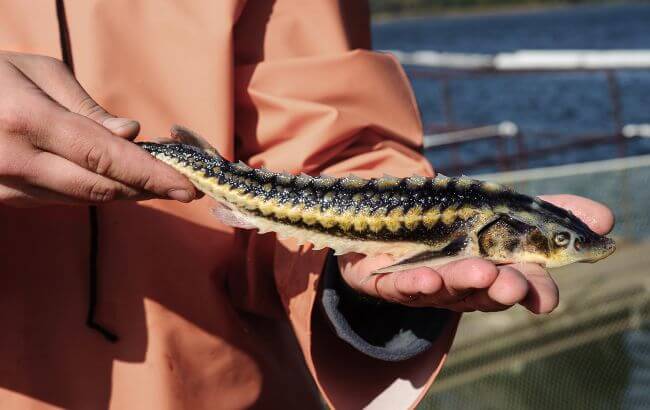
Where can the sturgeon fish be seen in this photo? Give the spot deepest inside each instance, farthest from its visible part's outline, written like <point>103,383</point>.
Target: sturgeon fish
<point>419,221</point>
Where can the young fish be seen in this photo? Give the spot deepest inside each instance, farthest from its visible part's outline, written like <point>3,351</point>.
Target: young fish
<point>419,221</point>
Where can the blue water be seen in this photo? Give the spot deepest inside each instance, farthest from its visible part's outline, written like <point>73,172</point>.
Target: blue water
<point>549,108</point>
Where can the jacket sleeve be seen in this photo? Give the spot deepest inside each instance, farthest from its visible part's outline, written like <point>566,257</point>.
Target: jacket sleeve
<point>310,98</point>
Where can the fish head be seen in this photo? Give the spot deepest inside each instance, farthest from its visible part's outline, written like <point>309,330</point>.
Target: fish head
<point>547,235</point>
<point>570,243</point>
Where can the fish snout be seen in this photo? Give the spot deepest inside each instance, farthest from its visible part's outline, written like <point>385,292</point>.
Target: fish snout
<point>601,249</point>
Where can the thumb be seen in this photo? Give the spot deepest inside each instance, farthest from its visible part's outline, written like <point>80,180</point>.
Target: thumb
<point>122,127</point>
<point>119,126</point>
<point>56,80</point>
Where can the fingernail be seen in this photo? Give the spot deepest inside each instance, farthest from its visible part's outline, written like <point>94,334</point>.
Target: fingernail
<point>180,195</point>
<point>117,125</point>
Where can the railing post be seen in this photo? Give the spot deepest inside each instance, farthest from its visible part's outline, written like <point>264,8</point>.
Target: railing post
<point>447,110</point>
<point>617,109</point>
<point>502,148</point>
<point>522,160</point>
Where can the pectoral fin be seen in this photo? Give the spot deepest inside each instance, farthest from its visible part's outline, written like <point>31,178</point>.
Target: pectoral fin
<point>424,259</point>
<point>455,250</point>
<point>231,218</point>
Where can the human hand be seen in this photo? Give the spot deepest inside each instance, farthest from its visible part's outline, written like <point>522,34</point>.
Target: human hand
<point>473,283</point>
<point>57,145</point>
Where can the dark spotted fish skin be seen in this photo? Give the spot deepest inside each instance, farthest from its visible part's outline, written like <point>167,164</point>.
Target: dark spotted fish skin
<point>415,209</point>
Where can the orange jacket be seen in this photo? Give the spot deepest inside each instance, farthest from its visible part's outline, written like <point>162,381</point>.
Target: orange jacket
<point>208,317</point>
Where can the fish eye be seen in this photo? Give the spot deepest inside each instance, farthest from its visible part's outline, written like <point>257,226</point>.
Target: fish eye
<point>562,239</point>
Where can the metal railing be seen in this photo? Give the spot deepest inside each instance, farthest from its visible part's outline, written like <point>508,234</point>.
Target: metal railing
<point>453,136</point>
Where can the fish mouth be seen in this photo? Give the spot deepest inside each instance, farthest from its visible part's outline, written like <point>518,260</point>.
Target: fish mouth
<point>601,250</point>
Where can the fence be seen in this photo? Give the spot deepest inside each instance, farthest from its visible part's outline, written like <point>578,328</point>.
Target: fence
<point>511,147</point>
<point>594,351</point>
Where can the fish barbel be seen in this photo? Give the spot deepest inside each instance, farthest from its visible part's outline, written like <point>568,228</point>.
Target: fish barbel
<point>419,221</point>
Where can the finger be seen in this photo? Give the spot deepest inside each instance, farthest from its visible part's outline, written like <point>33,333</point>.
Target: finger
<point>92,147</point>
<point>543,294</point>
<point>408,286</point>
<point>57,81</point>
<point>596,215</point>
<point>27,196</point>
<point>122,127</point>
<point>509,288</point>
<point>357,270</point>
<point>67,179</point>
<point>400,287</point>
<point>16,158</point>
<point>461,278</point>
<point>416,283</point>
<point>52,128</point>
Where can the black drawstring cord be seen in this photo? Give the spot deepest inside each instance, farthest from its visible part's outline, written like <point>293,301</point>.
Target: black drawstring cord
<point>66,53</point>
<point>92,278</point>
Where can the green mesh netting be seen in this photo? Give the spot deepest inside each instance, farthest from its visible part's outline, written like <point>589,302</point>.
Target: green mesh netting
<point>594,351</point>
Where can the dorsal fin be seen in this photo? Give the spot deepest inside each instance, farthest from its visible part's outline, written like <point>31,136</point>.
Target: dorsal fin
<point>185,135</point>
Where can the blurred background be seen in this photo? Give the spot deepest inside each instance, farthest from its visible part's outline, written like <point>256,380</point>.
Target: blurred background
<point>548,97</point>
